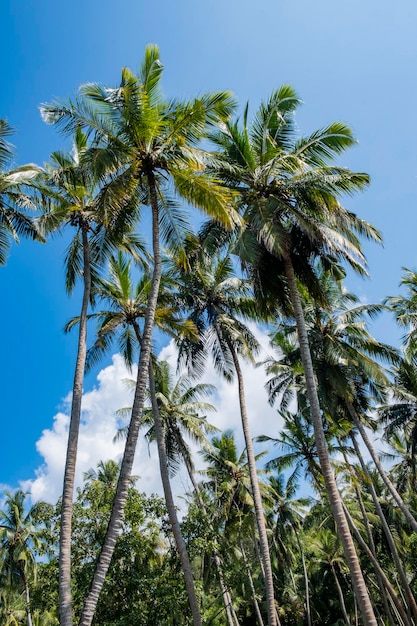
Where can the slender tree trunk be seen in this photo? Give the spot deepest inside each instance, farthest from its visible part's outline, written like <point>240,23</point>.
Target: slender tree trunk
<point>412,607</point>
<point>300,547</point>
<point>340,594</point>
<point>273,619</point>
<point>333,494</point>
<point>231,616</point>
<point>392,593</point>
<point>172,513</point>
<point>27,599</point>
<point>119,504</point>
<point>400,502</point>
<point>371,542</point>
<point>65,598</point>
<point>252,587</point>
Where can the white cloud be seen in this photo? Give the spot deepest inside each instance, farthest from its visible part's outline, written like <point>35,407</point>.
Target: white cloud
<point>99,424</point>
<point>263,419</point>
<point>98,428</point>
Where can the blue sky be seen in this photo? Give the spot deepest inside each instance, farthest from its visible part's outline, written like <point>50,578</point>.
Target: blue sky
<point>352,61</point>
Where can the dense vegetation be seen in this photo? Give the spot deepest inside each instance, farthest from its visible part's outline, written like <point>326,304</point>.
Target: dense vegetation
<point>274,248</point>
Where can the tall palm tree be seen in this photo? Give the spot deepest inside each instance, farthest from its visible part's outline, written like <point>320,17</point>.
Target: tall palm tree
<point>20,538</point>
<point>152,144</point>
<point>289,189</point>
<point>229,485</point>
<point>176,416</point>
<point>402,455</point>
<point>120,305</point>
<point>287,513</point>
<point>216,301</point>
<point>126,307</point>
<point>14,201</point>
<point>345,358</point>
<point>346,361</point>
<point>160,437</point>
<point>389,536</point>
<point>74,198</point>
<point>348,377</point>
<point>180,407</point>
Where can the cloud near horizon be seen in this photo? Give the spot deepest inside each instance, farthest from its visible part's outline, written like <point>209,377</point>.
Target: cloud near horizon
<point>99,425</point>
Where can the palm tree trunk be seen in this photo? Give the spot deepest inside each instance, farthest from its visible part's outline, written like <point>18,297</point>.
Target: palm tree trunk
<point>340,593</point>
<point>231,616</point>
<point>378,465</point>
<point>65,598</point>
<point>387,532</point>
<point>333,494</point>
<point>273,619</point>
<point>172,513</point>
<point>27,599</point>
<point>303,561</point>
<point>252,587</point>
<point>120,499</point>
<point>395,600</point>
<point>368,529</point>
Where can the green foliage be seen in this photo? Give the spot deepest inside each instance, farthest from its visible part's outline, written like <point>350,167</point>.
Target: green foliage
<point>144,584</point>
<point>273,197</point>
<point>15,197</point>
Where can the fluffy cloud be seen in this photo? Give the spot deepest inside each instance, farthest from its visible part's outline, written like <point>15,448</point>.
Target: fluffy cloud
<point>263,418</point>
<point>98,427</point>
<point>100,423</point>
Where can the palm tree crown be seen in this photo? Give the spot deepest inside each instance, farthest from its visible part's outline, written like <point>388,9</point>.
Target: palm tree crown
<point>289,194</point>
<point>150,147</point>
<point>14,201</point>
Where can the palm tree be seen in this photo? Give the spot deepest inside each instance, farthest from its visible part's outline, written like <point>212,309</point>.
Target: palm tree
<point>12,605</point>
<point>169,499</point>
<point>345,358</point>
<point>400,415</point>
<point>393,595</point>
<point>403,471</point>
<point>297,449</point>
<point>287,513</point>
<point>103,481</point>
<point>20,538</point>
<point>182,409</point>
<point>289,189</point>
<point>122,319</point>
<point>216,301</point>
<point>125,304</point>
<point>346,364</point>
<point>176,414</point>
<point>14,202</point>
<point>405,311</point>
<point>230,487</point>
<point>348,377</point>
<point>151,144</point>
<point>227,477</point>
<point>410,600</point>
<point>327,551</point>
<point>73,197</point>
